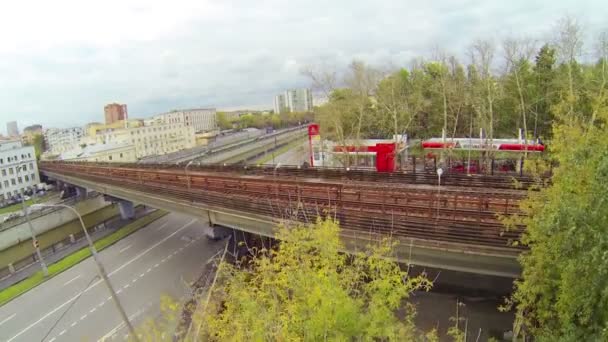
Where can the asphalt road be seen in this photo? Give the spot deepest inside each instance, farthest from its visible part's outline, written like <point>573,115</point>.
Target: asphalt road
<point>159,259</point>
<point>295,156</point>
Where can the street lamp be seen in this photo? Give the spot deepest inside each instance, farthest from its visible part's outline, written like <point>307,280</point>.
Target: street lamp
<point>100,268</point>
<point>186,172</point>
<point>45,270</point>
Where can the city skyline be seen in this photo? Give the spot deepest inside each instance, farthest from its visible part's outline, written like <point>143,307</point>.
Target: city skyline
<point>168,58</point>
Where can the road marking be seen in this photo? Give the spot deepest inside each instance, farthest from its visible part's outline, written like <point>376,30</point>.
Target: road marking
<point>175,253</point>
<point>62,332</point>
<point>118,291</point>
<point>71,280</point>
<point>114,331</point>
<point>83,317</point>
<point>156,265</point>
<point>162,226</point>
<point>92,310</point>
<point>148,270</point>
<point>109,297</point>
<point>53,339</point>
<point>73,324</point>
<point>124,249</point>
<point>45,316</point>
<point>134,280</point>
<point>101,304</point>
<point>141,275</point>
<point>126,286</point>
<point>8,319</point>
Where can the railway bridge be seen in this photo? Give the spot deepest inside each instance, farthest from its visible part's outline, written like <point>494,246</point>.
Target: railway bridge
<point>453,225</point>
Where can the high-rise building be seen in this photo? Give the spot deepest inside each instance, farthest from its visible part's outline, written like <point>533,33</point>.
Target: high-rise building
<point>115,112</point>
<point>294,100</point>
<point>18,168</point>
<point>202,119</point>
<point>11,129</point>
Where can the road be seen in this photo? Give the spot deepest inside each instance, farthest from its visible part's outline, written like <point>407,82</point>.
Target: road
<point>159,259</point>
<point>295,156</point>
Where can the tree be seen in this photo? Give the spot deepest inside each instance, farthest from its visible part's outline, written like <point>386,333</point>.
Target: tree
<point>306,289</point>
<point>562,295</point>
<point>544,76</point>
<point>222,121</point>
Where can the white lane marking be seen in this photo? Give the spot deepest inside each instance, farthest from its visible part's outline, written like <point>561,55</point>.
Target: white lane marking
<point>175,252</point>
<point>99,281</point>
<point>8,318</point>
<point>62,332</point>
<point>118,291</point>
<point>134,280</point>
<point>83,317</point>
<point>109,297</point>
<point>124,249</point>
<point>126,286</point>
<point>73,324</point>
<point>156,265</point>
<point>142,275</point>
<point>71,280</point>
<point>101,304</point>
<point>92,310</point>
<point>53,339</point>
<point>162,226</point>
<point>113,332</point>
<point>148,270</point>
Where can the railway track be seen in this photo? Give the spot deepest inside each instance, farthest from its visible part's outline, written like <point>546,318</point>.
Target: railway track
<point>457,214</point>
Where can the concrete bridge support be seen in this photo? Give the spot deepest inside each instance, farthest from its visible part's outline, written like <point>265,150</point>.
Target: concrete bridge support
<point>127,209</point>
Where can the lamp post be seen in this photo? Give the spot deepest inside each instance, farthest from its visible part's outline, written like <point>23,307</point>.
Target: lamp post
<point>186,172</point>
<point>100,268</point>
<point>45,270</point>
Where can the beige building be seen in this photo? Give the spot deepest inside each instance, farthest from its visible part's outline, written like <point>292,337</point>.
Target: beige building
<point>152,139</point>
<point>110,153</point>
<point>201,119</point>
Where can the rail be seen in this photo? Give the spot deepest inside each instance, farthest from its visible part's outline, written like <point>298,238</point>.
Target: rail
<point>467,215</point>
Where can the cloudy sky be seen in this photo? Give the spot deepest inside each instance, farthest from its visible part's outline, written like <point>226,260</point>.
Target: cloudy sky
<point>62,60</point>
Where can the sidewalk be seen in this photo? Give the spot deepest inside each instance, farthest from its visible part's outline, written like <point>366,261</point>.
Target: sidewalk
<point>109,227</point>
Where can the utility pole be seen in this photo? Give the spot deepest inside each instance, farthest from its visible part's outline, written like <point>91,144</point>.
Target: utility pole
<point>45,270</point>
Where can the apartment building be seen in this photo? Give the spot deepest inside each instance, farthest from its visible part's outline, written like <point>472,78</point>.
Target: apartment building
<point>294,100</point>
<point>18,168</point>
<point>202,119</point>
<point>62,140</point>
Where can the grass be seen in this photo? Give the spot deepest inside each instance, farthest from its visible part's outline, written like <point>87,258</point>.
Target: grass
<point>37,278</point>
<point>279,151</point>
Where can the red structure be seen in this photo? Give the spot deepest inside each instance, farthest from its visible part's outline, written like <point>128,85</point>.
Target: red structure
<point>313,133</point>
<point>385,154</point>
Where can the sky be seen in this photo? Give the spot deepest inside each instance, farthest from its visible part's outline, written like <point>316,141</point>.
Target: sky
<point>61,61</point>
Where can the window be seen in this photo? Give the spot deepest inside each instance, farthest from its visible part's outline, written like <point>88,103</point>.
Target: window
<point>1,160</point>
<point>6,184</point>
<point>110,157</point>
<point>13,181</point>
<point>27,178</point>
<point>121,155</point>
<point>20,179</point>
<point>16,158</point>
<point>10,170</point>
<point>4,172</point>
<point>31,166</point>
<point>29,155</point>
<point>33,177</point>
<point>9,159</point>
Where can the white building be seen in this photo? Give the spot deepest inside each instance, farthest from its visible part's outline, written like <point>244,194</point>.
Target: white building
<point>294,100</point>
<point>62,140</point>
<point>110,153</point>
<point>18,168</point>
<point>154,138</point>
<point>202,119</point>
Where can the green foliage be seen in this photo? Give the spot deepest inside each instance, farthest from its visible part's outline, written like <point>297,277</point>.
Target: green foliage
<point>283,120</point>
<point>307,290</point>
<point>222,121</point>
<point>563,294</point>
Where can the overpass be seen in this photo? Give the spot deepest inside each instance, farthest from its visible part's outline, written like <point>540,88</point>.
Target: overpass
<point>454,226</point>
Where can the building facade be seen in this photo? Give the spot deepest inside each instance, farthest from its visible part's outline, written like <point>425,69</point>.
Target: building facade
<point>156,138</point>
<point>61,140</point>
<point>18,168</point>
<point>201,119</point>
<point>12,130</point>
<point>107,153</point>
<point>294,100</point>
<point>115,112</point>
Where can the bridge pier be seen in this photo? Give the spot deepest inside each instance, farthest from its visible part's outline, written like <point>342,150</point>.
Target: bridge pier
<point>127,209</point>
<point>81,193</point>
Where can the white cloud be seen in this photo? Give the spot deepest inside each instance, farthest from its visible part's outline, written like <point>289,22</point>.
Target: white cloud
<point>62,60</point>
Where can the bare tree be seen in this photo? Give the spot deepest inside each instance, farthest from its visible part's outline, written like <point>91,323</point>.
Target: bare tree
<point>516,52</point>
<point>602,53</point>
<point>569,43</point>
<point>482,56</point>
